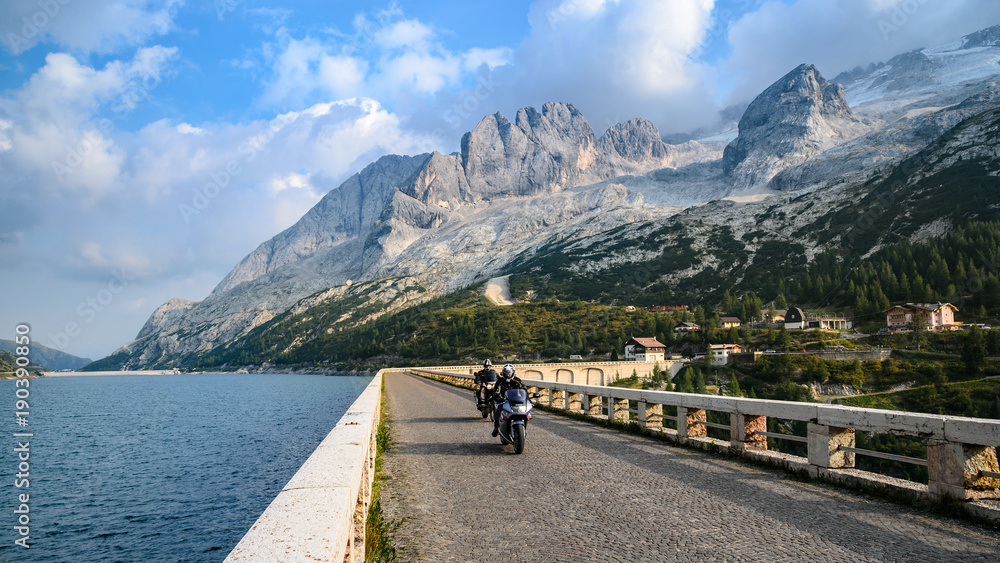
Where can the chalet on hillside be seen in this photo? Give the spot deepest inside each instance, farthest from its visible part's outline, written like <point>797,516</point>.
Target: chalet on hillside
<point>687,327</point>
<point>645,350</point>
<point>721,352</point>
<point>730,322</point>
<point>935,316</point>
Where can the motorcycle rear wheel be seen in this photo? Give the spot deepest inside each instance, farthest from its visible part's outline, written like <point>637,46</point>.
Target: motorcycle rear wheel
<point>518,436</point>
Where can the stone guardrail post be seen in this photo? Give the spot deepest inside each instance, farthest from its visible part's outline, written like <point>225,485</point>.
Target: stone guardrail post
<point>825,443</point>
<point>744,429</point>
<point>545,396</point>
<point>650,415</point>
<point>593,405</point>
<point>574,402</point>
<point>953,470</point>
<point>559,399</point>
<point>687,423</point>
<point>618,409</point>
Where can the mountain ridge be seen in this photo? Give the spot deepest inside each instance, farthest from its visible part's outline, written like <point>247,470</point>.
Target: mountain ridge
<point>433,223</point>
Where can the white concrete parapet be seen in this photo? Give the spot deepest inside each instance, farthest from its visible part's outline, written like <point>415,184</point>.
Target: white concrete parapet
<point>320,514</point>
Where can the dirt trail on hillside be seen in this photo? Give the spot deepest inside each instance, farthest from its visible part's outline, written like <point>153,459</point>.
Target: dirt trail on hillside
<point>498,291</point>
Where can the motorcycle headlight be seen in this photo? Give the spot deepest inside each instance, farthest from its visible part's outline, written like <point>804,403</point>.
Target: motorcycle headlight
<point>490,385</point>
<point>520,408</point>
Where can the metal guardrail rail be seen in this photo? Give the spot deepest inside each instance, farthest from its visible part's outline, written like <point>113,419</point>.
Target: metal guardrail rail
<point>790,437</point>
<point>714,425</point>
<point>883,455</point>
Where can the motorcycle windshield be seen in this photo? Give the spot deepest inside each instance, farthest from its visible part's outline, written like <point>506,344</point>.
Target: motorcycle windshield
<point>517,395</point>
<point>490,377</point>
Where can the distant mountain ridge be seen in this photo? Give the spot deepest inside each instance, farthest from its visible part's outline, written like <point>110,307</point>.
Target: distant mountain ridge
<point>405,229</point>
<point>48,357</point>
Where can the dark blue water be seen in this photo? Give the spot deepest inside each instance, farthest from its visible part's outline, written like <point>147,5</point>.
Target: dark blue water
<point>158,468</point>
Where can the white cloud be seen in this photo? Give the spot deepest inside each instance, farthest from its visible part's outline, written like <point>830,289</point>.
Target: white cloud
<point>492,58</point>
<point>55,136</point>
<point>5,144</point>
<point>614,61</point>
<point>188,129</point>
<point>387,59</point>
<point>291,181</point>
<point>408,34</point>
<point>122,257</point>
<point>95,26</point>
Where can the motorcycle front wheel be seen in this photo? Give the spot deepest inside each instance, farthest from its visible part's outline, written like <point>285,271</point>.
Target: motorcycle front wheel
<point>518,436</point>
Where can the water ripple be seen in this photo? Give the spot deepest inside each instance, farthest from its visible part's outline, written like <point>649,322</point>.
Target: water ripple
<point>162,468</point>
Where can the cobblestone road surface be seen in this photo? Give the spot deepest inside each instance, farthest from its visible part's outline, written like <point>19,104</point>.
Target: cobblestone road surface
<point>585,493</point>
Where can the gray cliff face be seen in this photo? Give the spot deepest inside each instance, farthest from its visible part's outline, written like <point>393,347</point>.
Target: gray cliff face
<point>540,152</point>
<point>446,219</point>
<point>164,315</point>
<point>343,215</point>
<point>796,118</point>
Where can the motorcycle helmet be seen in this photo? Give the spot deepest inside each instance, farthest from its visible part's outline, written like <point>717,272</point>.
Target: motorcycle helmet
<point>507,371</point>
<point>487,363</point>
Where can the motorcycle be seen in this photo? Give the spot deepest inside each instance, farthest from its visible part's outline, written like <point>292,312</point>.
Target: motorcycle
<point>484,394</point>
<point>514,414</point>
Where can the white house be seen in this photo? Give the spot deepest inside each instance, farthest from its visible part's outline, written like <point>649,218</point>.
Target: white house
<point>644,350</point>
<point>720,353</point>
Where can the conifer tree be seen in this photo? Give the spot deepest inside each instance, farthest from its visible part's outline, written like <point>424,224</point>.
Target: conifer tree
<point>974,350</point>
<point>684,381</point>
<point>699,384</point>
<point>734,387</point>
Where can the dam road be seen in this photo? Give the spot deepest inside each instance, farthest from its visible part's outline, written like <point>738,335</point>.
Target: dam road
<point>582,492</point>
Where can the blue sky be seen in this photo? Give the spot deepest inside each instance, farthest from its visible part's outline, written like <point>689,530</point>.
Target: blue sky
<point>146,146</point>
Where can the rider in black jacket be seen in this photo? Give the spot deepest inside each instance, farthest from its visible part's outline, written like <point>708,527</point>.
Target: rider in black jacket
<point>507,381</point>
<point>478,378</point>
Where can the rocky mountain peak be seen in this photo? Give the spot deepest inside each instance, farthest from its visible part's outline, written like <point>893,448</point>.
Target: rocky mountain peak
<point>797,117</point>
<point>905,71</point>
<point>541,151</point>
<point>164,314</point>
<point>635,139</point>
<point>989,37</point>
